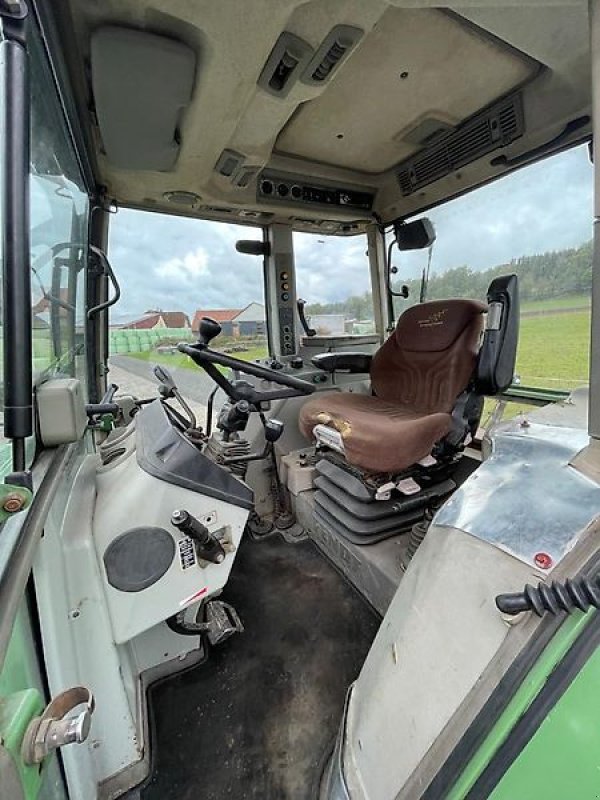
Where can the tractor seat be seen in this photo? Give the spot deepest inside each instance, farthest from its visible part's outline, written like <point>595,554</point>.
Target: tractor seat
<point>417,376</point>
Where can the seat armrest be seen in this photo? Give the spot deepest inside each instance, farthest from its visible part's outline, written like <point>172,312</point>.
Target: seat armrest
<point>344,362</point>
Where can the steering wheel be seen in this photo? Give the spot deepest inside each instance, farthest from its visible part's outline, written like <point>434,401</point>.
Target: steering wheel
<point>206,358</point>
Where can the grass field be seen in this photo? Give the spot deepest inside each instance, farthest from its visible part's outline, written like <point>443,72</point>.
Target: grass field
<point>554,350</point>
<point>570,301</point>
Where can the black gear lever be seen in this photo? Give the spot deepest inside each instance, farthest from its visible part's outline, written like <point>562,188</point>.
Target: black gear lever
<point>303,321</point>
<point>208,330</point>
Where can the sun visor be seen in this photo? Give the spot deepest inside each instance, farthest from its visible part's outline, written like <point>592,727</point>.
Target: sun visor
<point>142,84</point>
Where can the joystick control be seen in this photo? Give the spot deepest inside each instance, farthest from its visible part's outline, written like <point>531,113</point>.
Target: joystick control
<point>208,330</point>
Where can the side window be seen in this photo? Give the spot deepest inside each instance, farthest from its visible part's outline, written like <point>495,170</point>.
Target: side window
<point>173,271</point>
<point>332,275</point>
<point>59,217</point>
<point>537,223</point>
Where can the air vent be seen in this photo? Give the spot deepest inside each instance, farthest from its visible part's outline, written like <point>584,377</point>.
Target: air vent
<point>333,50</point>
<point>288,59</point>
<point>496,127</point>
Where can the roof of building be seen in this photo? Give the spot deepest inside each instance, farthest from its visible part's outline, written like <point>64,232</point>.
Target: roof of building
<point>175,319</point>
<point>254,312</point>
<point>44,303</point>
<point>171,319</point>
<point>218,314</point>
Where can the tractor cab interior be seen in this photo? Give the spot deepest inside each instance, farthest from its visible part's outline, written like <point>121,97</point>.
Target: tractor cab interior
<point>274,537</point>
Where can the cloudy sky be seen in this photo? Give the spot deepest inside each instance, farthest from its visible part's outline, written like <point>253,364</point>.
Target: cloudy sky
<point>175,263</point>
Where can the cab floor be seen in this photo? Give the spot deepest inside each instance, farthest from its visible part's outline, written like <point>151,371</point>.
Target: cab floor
<point>258,718</point>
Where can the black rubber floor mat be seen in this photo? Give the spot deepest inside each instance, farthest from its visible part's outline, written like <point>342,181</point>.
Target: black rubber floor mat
<point>256,720</point>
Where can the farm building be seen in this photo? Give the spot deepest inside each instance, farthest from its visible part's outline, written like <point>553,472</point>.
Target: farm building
<point>251,320</point>
<point>224,316</point>
<point>248,321</point>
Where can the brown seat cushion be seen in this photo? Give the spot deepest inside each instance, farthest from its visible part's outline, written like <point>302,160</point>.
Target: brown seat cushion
<point>377,435</point>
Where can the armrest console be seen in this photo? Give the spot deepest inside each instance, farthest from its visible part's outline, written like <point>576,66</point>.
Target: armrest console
<point>346,362</point>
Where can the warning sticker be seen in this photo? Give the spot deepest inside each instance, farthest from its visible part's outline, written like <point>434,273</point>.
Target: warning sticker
<point>192,597</point>
<point>187,553</point>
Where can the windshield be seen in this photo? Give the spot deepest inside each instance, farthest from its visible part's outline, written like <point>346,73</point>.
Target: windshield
<point>332,275</point>
<point>537,223</point>
<point>173,271</point>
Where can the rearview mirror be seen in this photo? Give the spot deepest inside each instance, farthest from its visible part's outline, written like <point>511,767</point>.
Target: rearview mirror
<point>416,235</point>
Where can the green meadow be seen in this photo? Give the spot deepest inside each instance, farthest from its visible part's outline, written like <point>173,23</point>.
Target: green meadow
<point>554,350</point>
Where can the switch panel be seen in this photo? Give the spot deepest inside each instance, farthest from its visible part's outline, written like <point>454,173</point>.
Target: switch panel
<point>281,291</point>
<point>286,329</point>
<point>292,189</point>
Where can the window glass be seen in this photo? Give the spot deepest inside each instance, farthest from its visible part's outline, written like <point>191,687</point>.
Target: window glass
<point>59,209</point>
<point>332,275</point>
<point>537,223</point>
<point>173,271</point>
<point>59,217</point>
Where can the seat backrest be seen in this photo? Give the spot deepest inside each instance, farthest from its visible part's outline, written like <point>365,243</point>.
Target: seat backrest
<point>431,356</point>
<point>498,353</point>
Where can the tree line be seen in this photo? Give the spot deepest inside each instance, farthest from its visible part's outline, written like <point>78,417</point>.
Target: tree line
<point>543,276</point>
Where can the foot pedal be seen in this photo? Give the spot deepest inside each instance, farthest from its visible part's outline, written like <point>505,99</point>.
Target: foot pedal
<point>221,621</point>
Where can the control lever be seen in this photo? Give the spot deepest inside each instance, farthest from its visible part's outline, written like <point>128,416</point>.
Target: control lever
<point>208,547</point>
<point>208,330</point>
<point>234,417</point>
<point>307,330</point>
<point>273,430</point>
<point>106,405</point>
<point>168,388</point>
<point>164,377</point>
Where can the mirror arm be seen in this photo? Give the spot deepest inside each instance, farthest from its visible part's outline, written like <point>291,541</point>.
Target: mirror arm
<point>388,271</point>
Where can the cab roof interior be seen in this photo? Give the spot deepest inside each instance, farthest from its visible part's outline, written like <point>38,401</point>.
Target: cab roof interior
<point>370,109</point>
